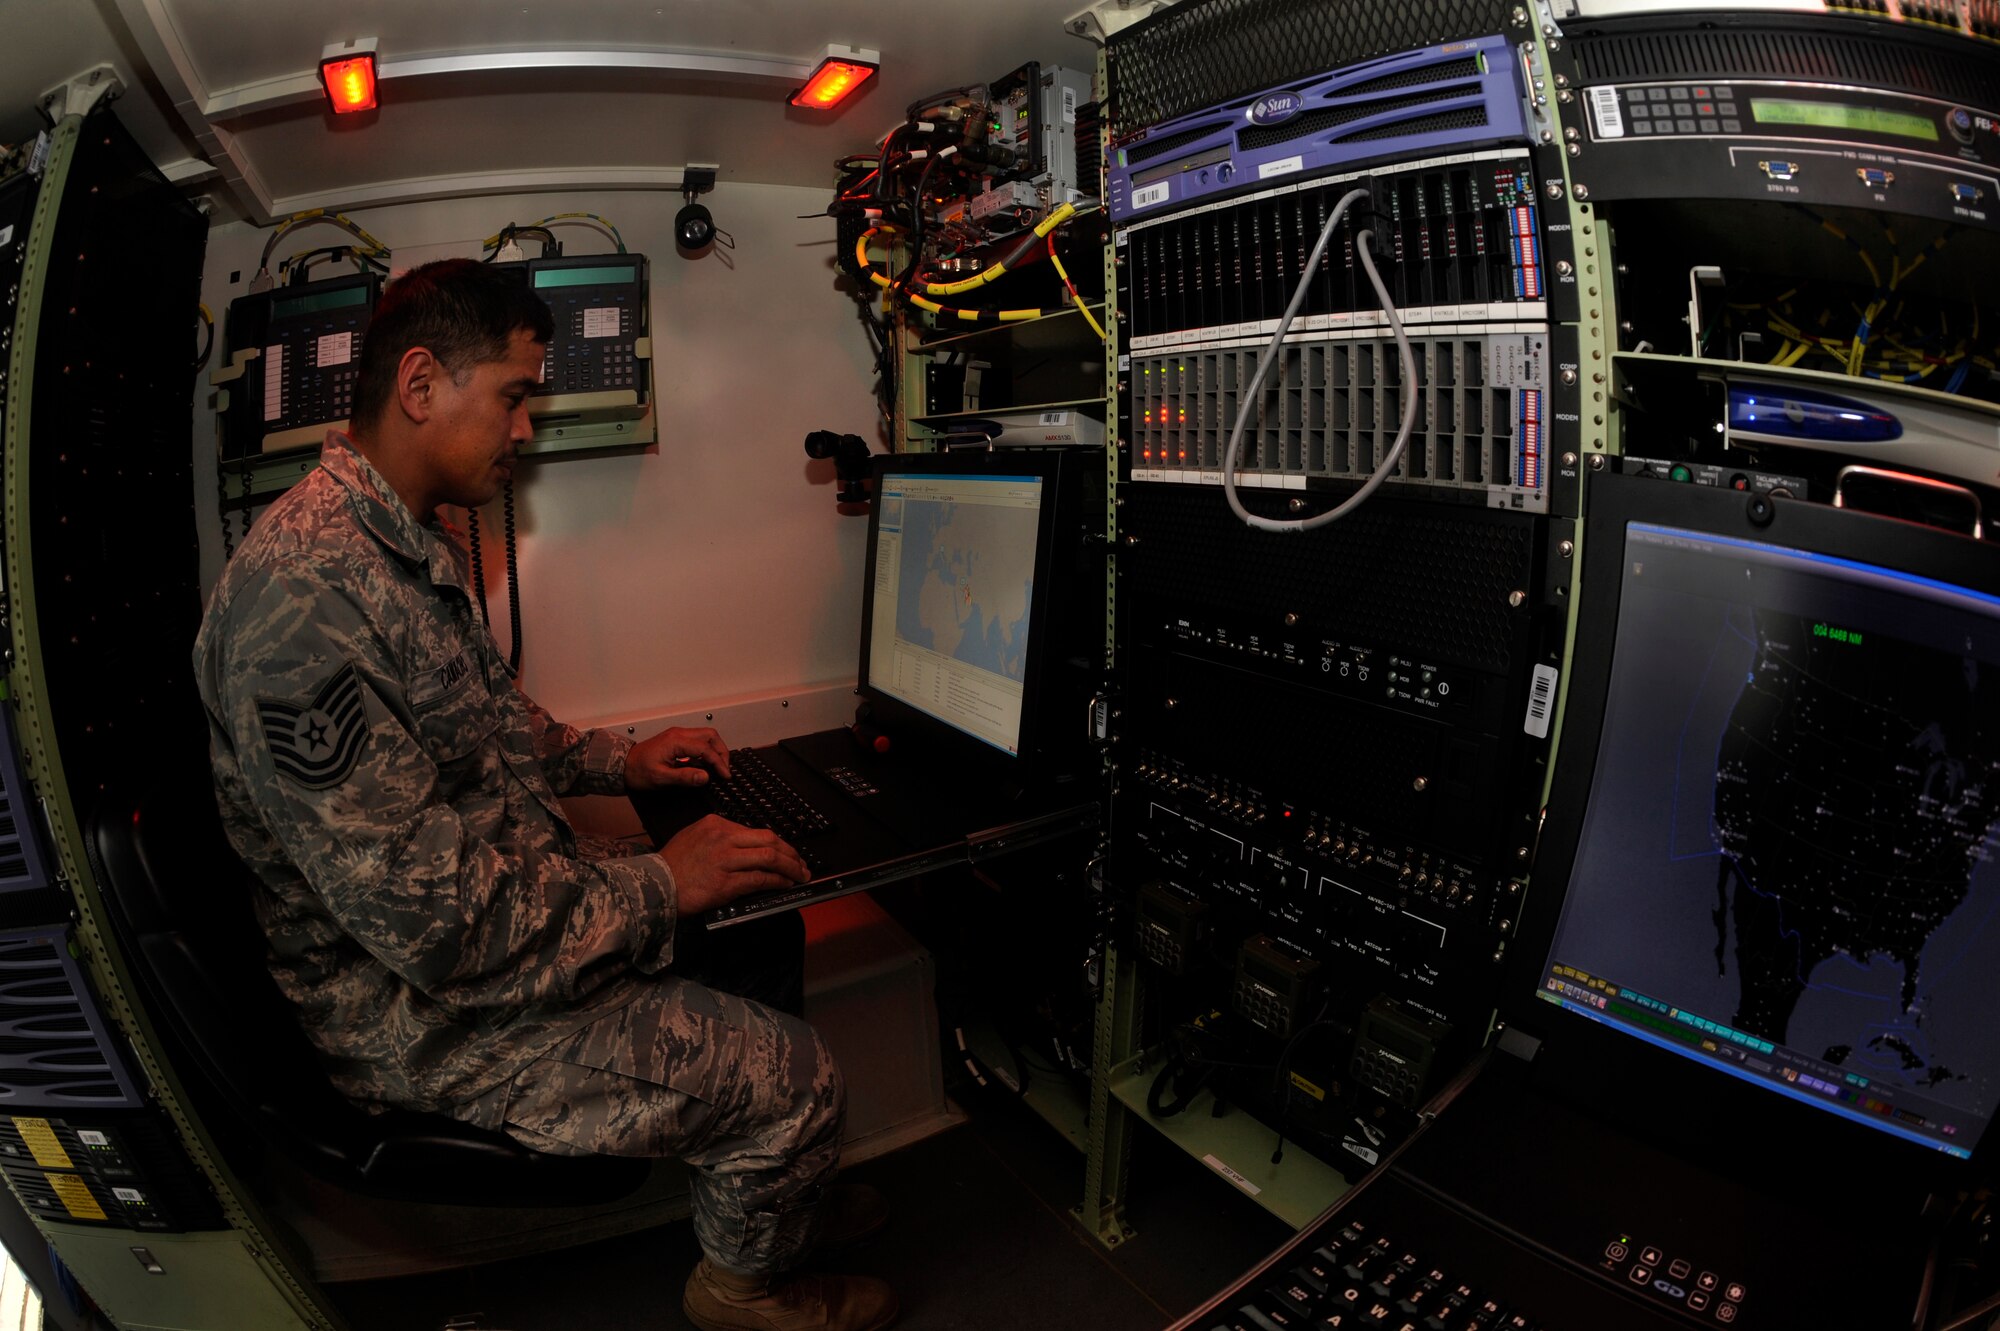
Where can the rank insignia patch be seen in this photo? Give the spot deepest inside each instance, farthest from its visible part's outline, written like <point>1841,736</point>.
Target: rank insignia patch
<point>317,745</point>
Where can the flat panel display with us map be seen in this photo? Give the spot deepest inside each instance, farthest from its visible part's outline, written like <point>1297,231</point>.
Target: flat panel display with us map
<point>1787,863</point>
<point>954,588</point>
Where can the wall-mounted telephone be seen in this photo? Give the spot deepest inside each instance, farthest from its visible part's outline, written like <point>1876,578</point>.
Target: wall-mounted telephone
<point>599,365</point>
<point>293,353</point>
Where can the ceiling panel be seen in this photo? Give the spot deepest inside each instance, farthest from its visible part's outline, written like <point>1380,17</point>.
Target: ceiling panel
<point>575,127</point>
<point>51,41</point>
<point>243,41</point>
<point>458,125</point>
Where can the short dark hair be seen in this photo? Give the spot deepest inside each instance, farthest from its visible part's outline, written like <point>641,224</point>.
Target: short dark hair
<point>464,311</point>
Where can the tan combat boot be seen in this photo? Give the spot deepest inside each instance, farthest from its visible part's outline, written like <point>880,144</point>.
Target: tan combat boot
<point>719,1300</point>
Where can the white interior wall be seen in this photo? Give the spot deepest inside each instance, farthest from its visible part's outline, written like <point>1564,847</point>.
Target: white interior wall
<point>710,572</point>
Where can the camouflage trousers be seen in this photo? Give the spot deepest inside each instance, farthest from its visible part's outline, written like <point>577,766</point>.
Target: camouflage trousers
<point>746,1095</point>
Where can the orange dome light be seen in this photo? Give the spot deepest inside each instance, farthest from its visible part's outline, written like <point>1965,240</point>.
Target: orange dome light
<point>838,74</point>
<point>349,81</point>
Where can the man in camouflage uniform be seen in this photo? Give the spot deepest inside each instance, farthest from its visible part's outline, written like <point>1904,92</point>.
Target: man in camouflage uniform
<point>451,944</point>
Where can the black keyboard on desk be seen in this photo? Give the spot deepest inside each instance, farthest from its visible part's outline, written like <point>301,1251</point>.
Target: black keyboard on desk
<point>756,796</point>
<point>1358,1278</point>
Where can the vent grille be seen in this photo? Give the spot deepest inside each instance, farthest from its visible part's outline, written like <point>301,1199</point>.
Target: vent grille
<point>1429,577</point>
<point>1206,52</point>
<point>21,857</point>
<point>1090,150</point>
<point>1326,117</point>
<point>1469,118</point>
<point>54,1050</point>
<point>1151,148</point>
<point>1466,67</point>
<point>1881,57</point>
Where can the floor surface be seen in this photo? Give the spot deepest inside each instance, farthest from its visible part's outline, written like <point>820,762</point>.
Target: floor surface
<point>982,1240</point>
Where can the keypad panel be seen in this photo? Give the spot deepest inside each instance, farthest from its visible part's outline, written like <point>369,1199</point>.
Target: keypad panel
<point>1680,1280</point>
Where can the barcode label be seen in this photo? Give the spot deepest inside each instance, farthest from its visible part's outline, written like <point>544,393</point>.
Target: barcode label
<point>1055,418</point>
<point>1541,702</point>
<point>1604,111</point>
<point>1069,106</point>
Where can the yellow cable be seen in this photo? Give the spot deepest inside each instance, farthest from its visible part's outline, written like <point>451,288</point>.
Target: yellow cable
<point>604,222</point>
<point>375,248</point>
<point>970,316</point>
<point>980,279</point>
<point>1082,308</point>
<point>867,264</point>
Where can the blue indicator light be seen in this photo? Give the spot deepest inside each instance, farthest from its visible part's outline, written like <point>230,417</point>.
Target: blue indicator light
<point>1808,416</point>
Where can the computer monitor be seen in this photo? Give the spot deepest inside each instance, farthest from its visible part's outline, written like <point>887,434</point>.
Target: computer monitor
<point>976,619</point>
<point>1770,846</point>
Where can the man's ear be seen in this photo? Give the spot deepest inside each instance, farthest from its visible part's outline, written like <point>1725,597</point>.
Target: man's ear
<point>417,375</point>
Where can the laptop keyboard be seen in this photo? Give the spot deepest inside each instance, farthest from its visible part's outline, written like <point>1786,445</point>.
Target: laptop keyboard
<point>756,796</point>
<point>1358,1278</point>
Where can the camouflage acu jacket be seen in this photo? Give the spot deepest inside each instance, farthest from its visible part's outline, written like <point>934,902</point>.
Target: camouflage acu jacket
<point>427,907</point>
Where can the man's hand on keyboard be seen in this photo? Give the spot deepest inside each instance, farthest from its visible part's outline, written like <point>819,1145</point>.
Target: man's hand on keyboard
<point>680,756</point>
<point>716,861</point>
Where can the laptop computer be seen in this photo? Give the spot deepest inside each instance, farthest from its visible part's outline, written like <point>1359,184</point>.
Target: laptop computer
<point>1749,1049</point>
<point>981,638</point>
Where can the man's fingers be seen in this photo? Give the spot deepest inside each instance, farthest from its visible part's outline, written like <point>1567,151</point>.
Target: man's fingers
<point>704,745</point>
<point>773,859</point>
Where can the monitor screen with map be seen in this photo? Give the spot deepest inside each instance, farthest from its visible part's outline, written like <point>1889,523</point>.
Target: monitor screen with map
<point>971,604</point>
<point>954,588</point>
<point>1784,870</point>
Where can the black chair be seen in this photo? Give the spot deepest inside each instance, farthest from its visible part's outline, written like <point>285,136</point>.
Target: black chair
<point>179,895</point>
